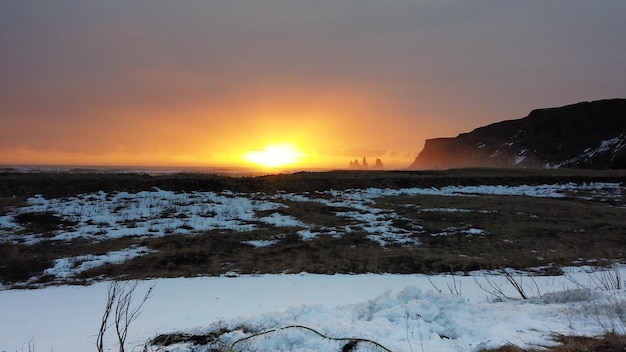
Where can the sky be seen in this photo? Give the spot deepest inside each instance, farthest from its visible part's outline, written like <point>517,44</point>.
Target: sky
<point>288,83</point>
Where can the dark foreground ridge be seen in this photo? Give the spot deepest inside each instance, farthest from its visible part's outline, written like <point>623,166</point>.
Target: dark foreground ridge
<point>55,184</point>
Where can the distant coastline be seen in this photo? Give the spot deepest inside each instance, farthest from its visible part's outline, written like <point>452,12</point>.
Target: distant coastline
<point>149,170</point>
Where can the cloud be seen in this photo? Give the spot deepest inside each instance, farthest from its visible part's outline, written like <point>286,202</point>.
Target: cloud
<point>193,79</point>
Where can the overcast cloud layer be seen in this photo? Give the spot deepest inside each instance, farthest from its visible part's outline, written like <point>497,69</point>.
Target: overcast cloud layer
<point>197,80</point>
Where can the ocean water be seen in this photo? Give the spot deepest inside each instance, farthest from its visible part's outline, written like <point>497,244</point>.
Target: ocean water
<point>150,170</point>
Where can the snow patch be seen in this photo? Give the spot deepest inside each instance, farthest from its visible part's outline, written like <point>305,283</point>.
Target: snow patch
<point>72,266</point>
<point>261,243</point>
<point>401,312</point>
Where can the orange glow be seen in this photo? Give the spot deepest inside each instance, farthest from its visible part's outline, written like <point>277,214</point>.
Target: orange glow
<point>205,85</point>
<point>278,131</point>
<point>273,156</point>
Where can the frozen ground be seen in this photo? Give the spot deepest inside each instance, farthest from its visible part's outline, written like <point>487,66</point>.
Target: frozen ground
<point>401,312</point>
<point>101,215</point>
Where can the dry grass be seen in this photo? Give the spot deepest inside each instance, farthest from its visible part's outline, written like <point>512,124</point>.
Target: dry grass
<point>20,262</point>
<point>219,253</point>
<point>314,213</point>
<point>606,343</point>
<point>8,203</point>
<point>42,223</point>
<point>69,184</point>
<point>519,232</point>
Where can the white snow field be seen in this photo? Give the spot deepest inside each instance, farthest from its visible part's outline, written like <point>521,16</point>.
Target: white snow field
<point>400,312</point>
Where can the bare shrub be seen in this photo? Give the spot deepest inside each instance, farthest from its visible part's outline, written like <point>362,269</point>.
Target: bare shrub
<point>611,316</point>
<point>497,290</point>
<point>453,284</point>
<point>601,278</point>
<point>607,280</point>
<point>351,341</point>
<point>124,311</point>
<point>516,284</point>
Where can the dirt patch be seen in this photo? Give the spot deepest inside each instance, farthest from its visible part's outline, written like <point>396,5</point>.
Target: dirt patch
<point>43,222</point>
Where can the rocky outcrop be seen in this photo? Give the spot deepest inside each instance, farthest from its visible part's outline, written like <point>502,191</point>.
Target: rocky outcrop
<point>585,135</point>
<point>355,164</point>
<point>364,165</point>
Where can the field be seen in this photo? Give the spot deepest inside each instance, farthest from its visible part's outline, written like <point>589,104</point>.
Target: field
<point>337,222</point>
<point>83,228</point>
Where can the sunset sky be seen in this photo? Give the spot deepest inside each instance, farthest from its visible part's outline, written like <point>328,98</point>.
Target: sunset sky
<point>288,83</point>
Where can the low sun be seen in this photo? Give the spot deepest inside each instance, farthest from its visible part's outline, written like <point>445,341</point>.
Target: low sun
<point>273,156</point>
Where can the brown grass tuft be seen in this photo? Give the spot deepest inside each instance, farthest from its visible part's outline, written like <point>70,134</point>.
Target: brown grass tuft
<point>606,343</point>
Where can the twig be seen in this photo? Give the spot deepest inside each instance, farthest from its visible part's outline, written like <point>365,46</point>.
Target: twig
<point>433,284</point>
<point>454,288</point>
<point>408,339</point>
<point>120,303</point>
<point>419,317</point>
<point>111,296</point>
<point>607,279</point>
<point>518,287</point>
<point>309,329</point>
<point>496,290</point>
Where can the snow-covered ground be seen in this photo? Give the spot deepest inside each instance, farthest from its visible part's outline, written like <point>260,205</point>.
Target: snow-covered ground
<point>400,312</point>
<point>101,215</point>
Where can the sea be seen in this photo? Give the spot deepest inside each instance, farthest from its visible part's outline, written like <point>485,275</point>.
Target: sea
<point>148,170</point>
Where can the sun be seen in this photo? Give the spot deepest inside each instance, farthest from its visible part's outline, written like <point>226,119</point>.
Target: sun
<point>274,156</point>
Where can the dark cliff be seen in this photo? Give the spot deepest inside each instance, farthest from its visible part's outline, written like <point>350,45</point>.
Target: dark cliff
<point>588,135</point>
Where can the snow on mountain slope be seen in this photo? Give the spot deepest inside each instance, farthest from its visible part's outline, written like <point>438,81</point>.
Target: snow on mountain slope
<point>587,135</point>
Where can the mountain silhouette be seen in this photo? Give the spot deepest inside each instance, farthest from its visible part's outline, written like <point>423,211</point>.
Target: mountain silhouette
<point>589,135</point>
